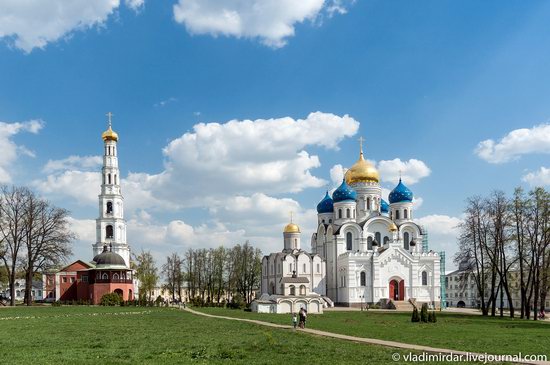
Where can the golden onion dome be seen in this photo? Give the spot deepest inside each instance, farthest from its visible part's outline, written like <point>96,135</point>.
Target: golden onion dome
<point>292,228</point>
<point>393,227</point>
<point>109,135</point>
<point>362,171</point>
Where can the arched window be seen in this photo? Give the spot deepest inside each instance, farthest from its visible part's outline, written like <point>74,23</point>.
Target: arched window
<point>108,178</point>
<point>349,242</point>
<point>302,290</point>
<point>295,243</point>
<point>339,213</point>
<point>354,213</point>
<point>377,237</point>
<point>424,278</point>
<point>109,231</point>
<point>115,276</point>
<point>348,213</point>
<point>115,180</point>
<point>363,278</point>
<point>109,207</point>
<point>386,239</point>
<point>369,243</point>
<point>105,276</point>
<point>368,203</point>
<point>396,214</point>
<point>406,240</point>
<point>405,213</point>
<point>103,179</point>
<point>330,220</point>
<point>292,290</point>
<point>304,268</point>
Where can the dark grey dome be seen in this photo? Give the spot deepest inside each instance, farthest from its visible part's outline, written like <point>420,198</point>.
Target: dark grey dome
<point>109,258</point>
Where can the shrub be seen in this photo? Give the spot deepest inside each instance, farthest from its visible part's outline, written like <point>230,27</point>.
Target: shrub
<point>415,317</point>
<point>237,302</point>
<point>110,299</point>
<point>430,317</point>
<point>57,303</point>
<point>434,319</point>
<point>424,313</point>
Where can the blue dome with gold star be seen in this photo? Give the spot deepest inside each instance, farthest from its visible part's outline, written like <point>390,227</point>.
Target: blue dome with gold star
<point>343,193</point>
<point>384,206</point>
<point>400,194</point>
<point>326,205</point>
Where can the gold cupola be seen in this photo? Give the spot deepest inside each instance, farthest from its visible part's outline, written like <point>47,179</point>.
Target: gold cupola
<point>109,134</point>
<point>362,171</point>
<point>291,227</point>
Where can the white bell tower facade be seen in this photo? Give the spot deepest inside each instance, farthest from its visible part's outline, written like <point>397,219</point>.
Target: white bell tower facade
<point>111,226</point>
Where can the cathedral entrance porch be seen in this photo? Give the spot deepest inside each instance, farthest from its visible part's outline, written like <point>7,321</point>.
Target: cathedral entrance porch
<point>397,289</point>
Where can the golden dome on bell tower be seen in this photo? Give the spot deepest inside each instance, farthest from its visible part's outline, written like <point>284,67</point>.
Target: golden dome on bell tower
<point>109,134</point>
<point>362,171</point>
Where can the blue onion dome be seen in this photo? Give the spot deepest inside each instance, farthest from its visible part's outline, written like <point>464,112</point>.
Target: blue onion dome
<point>343,193</point>
<point>401,193</point>
<point>326,205</point>
<point>384,206</point>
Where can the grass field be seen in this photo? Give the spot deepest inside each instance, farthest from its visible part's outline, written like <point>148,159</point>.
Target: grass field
<point>452,331</point>
<point>127,335</point>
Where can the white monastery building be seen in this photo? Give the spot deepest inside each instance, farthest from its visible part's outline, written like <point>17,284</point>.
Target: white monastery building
<point>364,251</point>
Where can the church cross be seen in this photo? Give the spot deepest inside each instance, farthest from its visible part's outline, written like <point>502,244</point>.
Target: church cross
<point>291,216</point>
<point>109,118</point>
<point>361,140</point>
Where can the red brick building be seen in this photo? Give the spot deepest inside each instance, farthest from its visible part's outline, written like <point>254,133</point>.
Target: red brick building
<point>107,273</point>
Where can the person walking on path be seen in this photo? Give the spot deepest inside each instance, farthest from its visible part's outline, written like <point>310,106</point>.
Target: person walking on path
<point>302,318</point>
<point>305,317</point>
<point>294,320</point>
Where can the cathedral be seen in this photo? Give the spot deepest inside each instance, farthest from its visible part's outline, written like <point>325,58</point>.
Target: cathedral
<point>365,250</point>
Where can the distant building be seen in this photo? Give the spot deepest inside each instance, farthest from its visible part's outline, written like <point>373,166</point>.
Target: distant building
<point>462,291</point>
<point>36,293</point>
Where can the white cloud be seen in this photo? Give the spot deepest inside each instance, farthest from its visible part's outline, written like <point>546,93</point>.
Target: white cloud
<point>516,143</point>
<point>270,21</point>
<point>82,186</point>
<point>540,177</point>
<point>29,24</point>
<point>135,5</point>
<point>337,174</point>
<point>248,156</point>
<point>74,163</point>
<point>443,234</point>
<point>10,150</point>
<point>412,171</point>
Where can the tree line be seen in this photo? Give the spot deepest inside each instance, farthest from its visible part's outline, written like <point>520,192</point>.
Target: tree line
<point>215,275</point>
<point>34,236</point>
<point>505,243</point>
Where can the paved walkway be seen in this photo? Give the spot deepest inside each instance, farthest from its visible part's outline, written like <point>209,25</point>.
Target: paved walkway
<point>373,341</point>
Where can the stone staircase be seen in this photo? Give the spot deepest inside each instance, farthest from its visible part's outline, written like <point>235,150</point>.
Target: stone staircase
<point>403,306</point>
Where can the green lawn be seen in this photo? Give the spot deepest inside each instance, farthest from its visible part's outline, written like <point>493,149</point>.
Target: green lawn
<point>122,335</point>
<point>453,331</point>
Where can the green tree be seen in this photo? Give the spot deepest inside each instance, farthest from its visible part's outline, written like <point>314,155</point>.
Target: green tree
<point>146,273</point>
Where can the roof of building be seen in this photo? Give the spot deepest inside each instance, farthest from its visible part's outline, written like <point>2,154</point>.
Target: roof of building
<point>344,193</point>
<point>326,205</point>
<point>400,193</point>
<point>294,280</point>
<point>109,259</point>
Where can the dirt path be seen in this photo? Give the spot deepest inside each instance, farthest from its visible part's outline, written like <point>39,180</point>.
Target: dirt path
<point>373,341</point>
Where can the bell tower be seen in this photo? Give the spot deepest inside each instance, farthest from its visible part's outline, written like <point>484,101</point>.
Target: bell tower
<point>110,225</point>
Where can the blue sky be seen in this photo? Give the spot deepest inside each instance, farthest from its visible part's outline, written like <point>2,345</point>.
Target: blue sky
<point>423,82</point>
